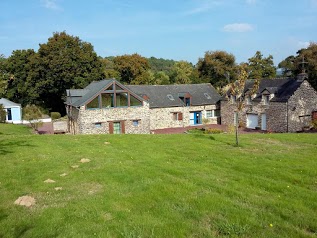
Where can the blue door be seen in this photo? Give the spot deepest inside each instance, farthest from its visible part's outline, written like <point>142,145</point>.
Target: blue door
<point>197,118</point>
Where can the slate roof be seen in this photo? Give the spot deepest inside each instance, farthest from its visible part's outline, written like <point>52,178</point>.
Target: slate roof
<point>282,88</point>
<point>158,96</point>
<point>7,103</point>
<point>79,97</point>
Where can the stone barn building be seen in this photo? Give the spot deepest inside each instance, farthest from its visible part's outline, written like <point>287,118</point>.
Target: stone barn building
<point>107,106</point>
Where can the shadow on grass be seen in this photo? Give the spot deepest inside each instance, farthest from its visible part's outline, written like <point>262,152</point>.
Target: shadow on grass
<point>221,141</point>
<point>12,146</point>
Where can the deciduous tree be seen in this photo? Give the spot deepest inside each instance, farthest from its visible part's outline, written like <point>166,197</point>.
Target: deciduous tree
<point>130,67</point>
<point>19,81</point>
<point>261,67</point>
<point>182,71</point>
<point>3,76</point>
<point>217,67</point>
<point>64,62</point>
<point>236,90</point>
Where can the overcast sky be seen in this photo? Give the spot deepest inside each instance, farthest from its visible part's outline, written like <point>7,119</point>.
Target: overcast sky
<point>170,29</point>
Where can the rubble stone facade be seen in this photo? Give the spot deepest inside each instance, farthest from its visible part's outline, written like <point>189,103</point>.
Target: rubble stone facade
<point>281,116</point>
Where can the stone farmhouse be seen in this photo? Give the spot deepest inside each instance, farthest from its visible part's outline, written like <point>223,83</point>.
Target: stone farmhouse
<point>107,106</point>
<point>279,105</point>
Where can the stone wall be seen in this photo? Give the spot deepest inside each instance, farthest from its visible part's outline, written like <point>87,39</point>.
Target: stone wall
<point>163,117</point>
<point>289,116</point>
<point>226,112</point>
<point>275,114</point>
<point>88,119</point>
<point>300,107</point>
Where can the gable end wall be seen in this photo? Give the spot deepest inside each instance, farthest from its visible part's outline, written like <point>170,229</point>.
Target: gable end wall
<point>300,107</point>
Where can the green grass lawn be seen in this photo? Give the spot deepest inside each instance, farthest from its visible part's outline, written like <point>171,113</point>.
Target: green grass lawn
<point>10,129</point>
<point>159,185</point>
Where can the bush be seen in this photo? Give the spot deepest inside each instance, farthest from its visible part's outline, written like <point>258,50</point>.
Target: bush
<point>213,131</point>
<point>314,123</point>
<point>55,115</point>
<point>2,114</point>
<point>32,114</point>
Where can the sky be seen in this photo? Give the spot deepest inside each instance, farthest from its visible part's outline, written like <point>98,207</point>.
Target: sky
<point>169,29</point>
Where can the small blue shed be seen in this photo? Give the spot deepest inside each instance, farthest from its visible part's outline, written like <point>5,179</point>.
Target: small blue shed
<point>14,111</point>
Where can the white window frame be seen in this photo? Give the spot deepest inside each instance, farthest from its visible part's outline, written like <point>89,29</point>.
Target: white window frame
<point>266,99</point>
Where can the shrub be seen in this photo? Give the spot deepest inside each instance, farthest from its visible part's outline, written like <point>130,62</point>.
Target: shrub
<point>32,114</point>
<point>231,129</point>
<point>314,123</point>
<point>195,131</point>
<point>55,115</point>
<point>2,114</point>
<point>213,131</point>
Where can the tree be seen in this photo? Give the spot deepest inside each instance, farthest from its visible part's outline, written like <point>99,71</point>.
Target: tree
<point>236,90</point>
<point>2,114</point>
<point>146,78</point>
<point>287,66</point>
<point>217,67</point>
<point>308,55</point>
<point>32,114</point>
<point>161,78</point>
<point>109,68</point>
<point>130,67</point>
<point>19,68</point>
<point>64,62</point>
<point>182,71</point>
<point>3,76</point>
<point>261,67</point>
<point>160,64</point>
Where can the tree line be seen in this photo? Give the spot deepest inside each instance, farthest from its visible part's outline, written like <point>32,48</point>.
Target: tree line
<point>65,61</point>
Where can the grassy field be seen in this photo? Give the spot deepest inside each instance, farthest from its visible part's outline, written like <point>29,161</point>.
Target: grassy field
<point>159,185</point>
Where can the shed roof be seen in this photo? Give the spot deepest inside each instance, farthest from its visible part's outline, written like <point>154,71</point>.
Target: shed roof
<point>7,103</point>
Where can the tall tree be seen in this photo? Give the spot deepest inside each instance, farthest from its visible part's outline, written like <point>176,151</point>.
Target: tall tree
<point>287,66</point>
<point>308,55</point>
<point>161,78</point>
<point>261,67</point>
<point>3,76</point>
<point>217,67</point>
<point>64,62</point>
<point>182,71</point>
<point>109,68</point>
<point>160,64</point>
<point>19,68</point>
<point>305,60</point>
<point>146,78</point>
<point>130,67</point>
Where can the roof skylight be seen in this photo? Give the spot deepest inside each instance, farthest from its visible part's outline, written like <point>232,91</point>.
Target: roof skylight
<point>170,97</point>
<point>207,95</point>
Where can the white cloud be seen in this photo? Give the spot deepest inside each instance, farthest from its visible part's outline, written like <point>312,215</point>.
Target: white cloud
<point>51,4</point>
<point>238,27</point>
